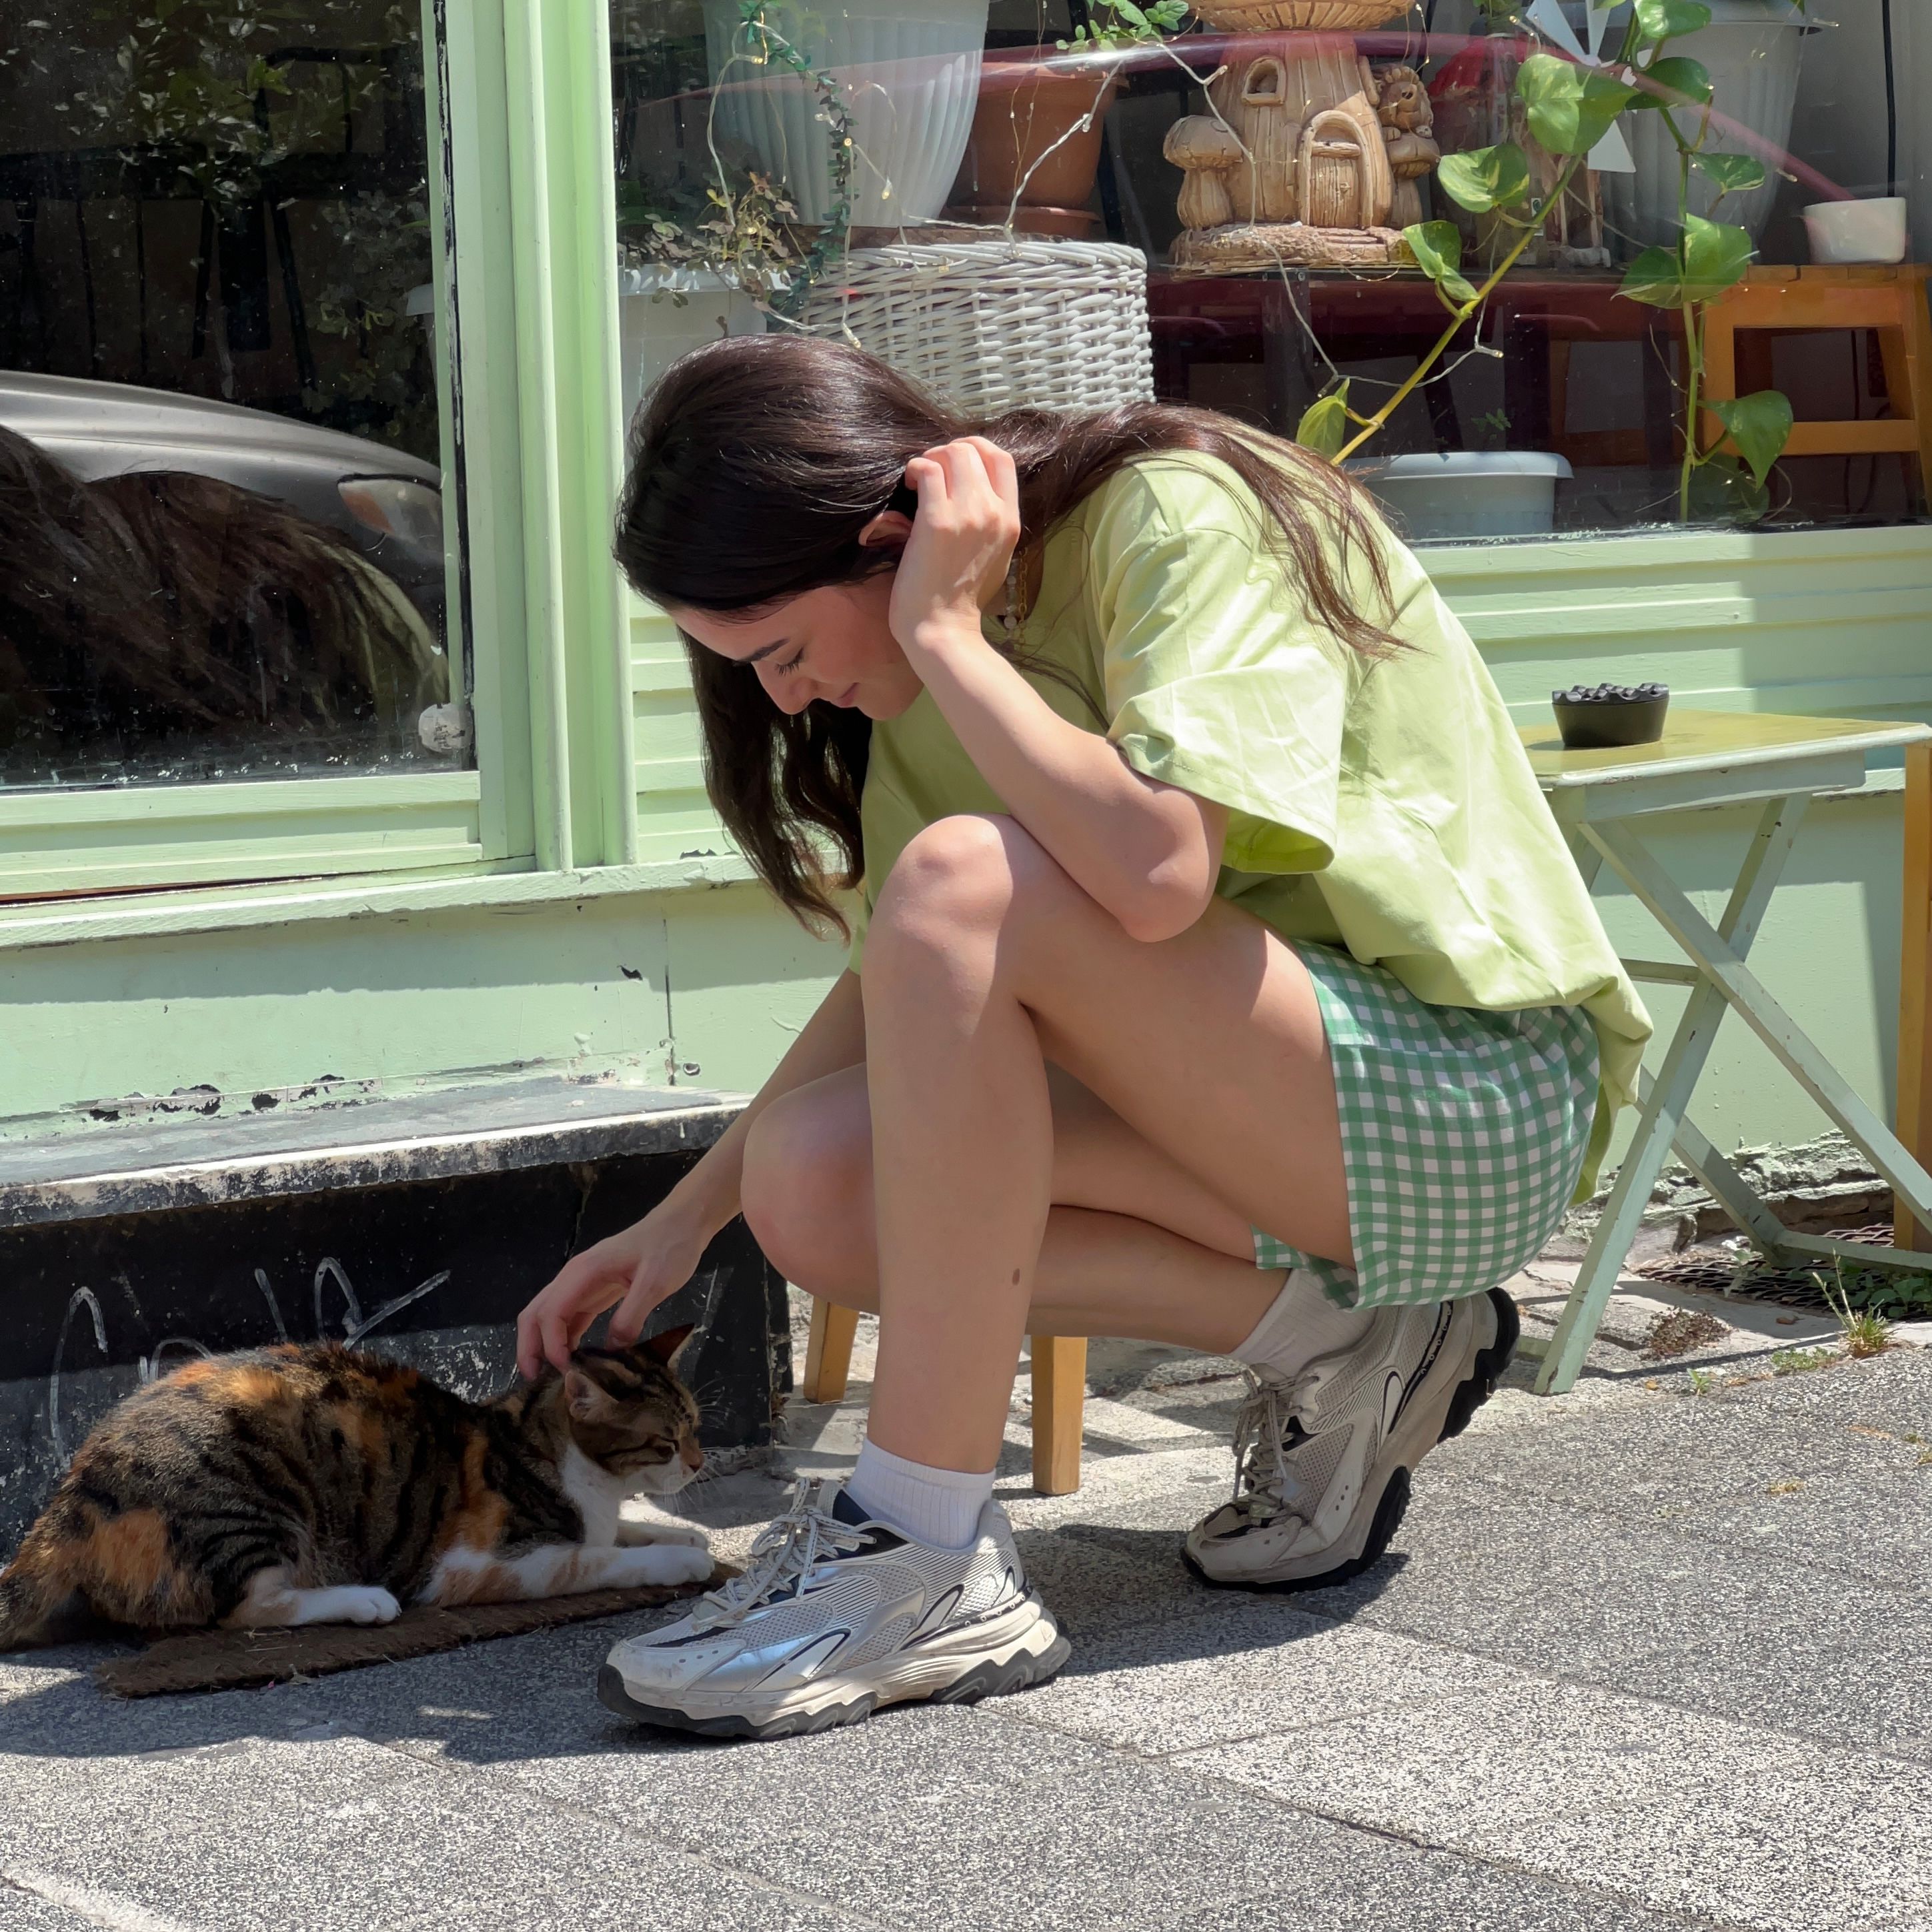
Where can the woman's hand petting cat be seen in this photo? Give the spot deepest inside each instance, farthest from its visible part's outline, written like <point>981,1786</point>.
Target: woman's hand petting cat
<point>955,560</point>
<point>639,1267</point>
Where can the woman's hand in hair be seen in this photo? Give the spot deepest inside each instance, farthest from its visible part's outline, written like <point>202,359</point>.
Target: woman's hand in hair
<point>954,562</point>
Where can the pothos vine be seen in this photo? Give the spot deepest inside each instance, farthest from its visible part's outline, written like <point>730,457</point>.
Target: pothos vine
<point>764,43</point>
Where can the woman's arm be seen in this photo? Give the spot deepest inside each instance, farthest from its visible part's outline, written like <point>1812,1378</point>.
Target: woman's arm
<point>649,1262</point>
<point>1149,853</point>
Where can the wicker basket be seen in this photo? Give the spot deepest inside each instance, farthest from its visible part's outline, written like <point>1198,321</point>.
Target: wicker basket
<point>992,325</point>
<point>1243,16</point>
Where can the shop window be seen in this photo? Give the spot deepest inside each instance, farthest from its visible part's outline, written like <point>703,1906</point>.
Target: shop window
<point>1440,241</point>
<point>222,542</point>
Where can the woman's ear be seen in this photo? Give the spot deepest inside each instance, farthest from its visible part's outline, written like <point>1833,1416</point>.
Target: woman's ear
<point>889,529</point>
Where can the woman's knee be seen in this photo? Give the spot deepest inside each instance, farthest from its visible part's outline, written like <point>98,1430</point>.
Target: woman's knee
<point>805,1188</point>
<point>960,876</point>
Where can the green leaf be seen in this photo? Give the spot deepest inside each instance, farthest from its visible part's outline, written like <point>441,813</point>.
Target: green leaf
<point>1710,256</point>
<point>1656,276</point>
<point>1680,81</point>
<point>1570,108</point>
<point>1760,426</point>
<point>1325,427</point>
<point>1437,249</point>
<point>1483,179</point>
<point>1665,19</point>
<point>1723,491</point>
<point>1733,174</point>
<point>1715,255</point>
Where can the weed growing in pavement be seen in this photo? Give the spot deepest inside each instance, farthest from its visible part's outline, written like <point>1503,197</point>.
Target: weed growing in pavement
<point>1798,1361</point>
<point>1702,1382</point>
<point>1866,1331</point>
<point>1784,1488</point>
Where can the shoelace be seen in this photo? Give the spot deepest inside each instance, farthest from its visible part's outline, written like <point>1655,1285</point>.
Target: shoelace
<point>786,1549</point>
<point>1262,1477</point>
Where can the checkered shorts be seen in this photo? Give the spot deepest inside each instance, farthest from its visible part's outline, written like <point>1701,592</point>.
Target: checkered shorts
<point>1463,1134</point>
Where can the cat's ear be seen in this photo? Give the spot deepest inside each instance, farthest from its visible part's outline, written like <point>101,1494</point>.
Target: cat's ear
<point>668,1346</point>
<point>582,1397</point>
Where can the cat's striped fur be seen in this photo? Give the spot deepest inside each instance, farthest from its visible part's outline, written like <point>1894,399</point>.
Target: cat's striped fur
<point>316,1483</point>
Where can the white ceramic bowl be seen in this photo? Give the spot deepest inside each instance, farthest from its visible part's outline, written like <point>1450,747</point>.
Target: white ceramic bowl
<point>1857,231</point>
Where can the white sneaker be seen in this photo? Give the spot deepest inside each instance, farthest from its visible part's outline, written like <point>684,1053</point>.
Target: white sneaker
<point>835,1615</point>
<point>1323,1459</point>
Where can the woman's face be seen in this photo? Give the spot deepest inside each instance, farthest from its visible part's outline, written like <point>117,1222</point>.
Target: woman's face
<point>834,643</point>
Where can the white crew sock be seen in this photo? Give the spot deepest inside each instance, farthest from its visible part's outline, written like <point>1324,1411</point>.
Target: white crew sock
<point>1301,1323</point>
<point>939,1506</point>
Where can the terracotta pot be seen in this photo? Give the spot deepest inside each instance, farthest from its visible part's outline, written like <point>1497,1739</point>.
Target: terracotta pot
<point>1020,154</point>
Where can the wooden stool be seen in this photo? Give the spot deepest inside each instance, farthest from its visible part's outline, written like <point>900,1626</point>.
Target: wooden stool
<point>1059,1390</point>
<point>1914,987</point>
<point>1770,301</point>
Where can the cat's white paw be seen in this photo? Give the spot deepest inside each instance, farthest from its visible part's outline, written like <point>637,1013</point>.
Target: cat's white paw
<point>664,1563</point>
<point>634,1531</point>
<point>370,1604</point>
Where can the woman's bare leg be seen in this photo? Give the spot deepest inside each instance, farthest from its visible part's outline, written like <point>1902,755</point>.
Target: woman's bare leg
<point>984,962</point>
<point>1136,1246</point>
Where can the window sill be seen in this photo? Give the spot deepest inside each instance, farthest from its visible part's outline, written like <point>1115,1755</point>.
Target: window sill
<point>235,908</point>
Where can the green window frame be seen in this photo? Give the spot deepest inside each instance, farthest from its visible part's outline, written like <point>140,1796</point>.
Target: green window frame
<point>523,207</point>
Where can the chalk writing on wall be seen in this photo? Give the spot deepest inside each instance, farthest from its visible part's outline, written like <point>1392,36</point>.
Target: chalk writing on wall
<point>329,1272</point>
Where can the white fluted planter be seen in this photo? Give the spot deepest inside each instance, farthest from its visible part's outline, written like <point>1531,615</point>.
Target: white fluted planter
<point>1750,49</point>
<point>908,71</point>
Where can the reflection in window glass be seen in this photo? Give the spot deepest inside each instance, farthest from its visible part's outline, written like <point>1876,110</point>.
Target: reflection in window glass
<point>1537,273</point>
<point>221,516</point>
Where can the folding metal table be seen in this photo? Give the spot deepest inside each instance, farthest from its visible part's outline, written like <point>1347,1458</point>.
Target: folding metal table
<point>1599,798</point>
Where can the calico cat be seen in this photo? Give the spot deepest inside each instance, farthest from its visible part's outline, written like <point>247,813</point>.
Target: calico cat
<point>313,1484</point>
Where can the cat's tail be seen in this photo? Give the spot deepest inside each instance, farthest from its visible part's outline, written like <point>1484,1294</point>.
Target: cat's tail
<point>33,1600</point>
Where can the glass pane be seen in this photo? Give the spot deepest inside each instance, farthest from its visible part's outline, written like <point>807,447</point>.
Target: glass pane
<point>221,518</point>
<point>1249,206</point>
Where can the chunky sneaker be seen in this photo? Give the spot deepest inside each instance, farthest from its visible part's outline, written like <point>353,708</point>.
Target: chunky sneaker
<point>1323,1459</point>
<point>835,1615</point>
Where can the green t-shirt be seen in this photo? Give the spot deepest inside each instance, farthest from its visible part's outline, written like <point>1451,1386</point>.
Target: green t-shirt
<point>1385,806</point>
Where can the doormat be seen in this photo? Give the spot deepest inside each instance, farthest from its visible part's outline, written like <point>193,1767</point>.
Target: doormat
<point>226,1660</point>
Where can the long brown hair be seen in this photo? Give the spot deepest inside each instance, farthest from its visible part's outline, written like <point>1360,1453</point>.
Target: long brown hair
<point>757,462</point>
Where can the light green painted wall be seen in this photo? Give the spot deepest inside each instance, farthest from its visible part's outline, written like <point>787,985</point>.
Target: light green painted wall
<point>1834,622</point>
<point>407,1000</point>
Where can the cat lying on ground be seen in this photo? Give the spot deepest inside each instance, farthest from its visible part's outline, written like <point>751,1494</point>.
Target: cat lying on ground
<point>314,1484</point>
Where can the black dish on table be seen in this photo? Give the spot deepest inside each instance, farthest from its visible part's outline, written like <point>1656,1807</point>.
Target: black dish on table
<point>1594,718</point>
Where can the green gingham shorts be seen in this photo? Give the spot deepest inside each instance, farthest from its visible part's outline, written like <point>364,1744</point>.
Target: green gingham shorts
<point>1463,1134</point>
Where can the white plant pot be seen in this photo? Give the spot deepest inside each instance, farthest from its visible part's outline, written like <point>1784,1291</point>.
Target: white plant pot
<point>1857,231</point>
<point>1508,493</point>
<point>908,73</point>
<point>663,313</point>
<point>1750,50</point>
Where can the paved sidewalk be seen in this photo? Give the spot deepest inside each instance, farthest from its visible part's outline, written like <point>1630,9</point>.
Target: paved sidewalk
<point>1641,1658</point>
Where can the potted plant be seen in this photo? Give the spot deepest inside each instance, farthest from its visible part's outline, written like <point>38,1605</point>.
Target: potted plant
<point>696,265</point>
<point>1749,51</point>
<point>1035,145</point>
<point>1568,107</point>
<point>907,72</point>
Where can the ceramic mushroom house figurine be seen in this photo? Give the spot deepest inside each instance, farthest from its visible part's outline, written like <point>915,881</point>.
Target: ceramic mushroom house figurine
<point>1309,157</point>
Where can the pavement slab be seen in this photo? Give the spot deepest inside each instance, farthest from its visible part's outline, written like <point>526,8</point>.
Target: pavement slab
<point>25,1906</point>
<point>335,1831</point>
<point>1261,1667</point>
